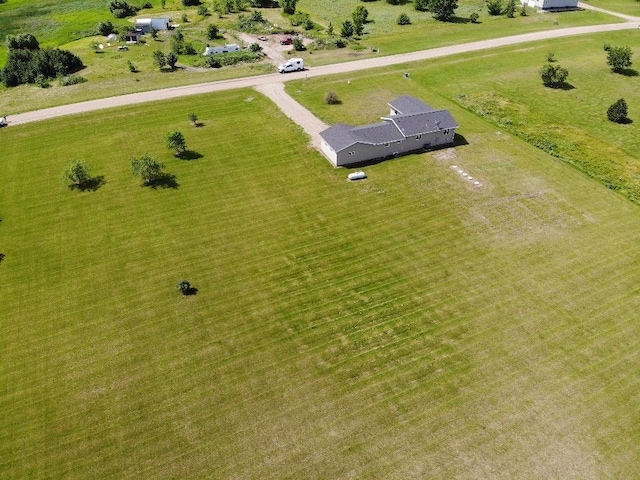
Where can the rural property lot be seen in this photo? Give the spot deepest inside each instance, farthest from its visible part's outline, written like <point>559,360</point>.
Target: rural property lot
<point>407,326</point>
<point>402,327</point>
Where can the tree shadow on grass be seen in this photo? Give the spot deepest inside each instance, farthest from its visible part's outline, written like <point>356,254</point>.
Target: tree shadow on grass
<point>460,20</point>
<point>625,121</point>
<point>561,86</point>
<point>190,291</point>
<point>189,155</point>
<point>91,185</point>
<point>166,180</point>
<point>627,72</point>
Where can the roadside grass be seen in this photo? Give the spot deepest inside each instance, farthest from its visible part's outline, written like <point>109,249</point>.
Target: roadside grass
<point>630,7</point>
<point>402,327</point>
<point>570,124</point>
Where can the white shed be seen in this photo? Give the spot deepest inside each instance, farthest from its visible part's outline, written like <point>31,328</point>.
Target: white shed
<point>232,47</point>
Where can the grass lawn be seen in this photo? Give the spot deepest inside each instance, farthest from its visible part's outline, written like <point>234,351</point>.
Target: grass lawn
<point>570,123</point>
<point>630,7</point>
<point>406,326</point>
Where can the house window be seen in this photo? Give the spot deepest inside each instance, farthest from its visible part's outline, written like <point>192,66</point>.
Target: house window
<point>418,137</point>
<point>386,144</point>
<point>399,141</point>
<point>352,152</point>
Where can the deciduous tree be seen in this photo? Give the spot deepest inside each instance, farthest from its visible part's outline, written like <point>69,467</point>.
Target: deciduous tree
<point>175,141</point>
<point>147,168</point>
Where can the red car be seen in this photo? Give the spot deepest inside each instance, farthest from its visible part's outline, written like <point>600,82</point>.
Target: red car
<point>286,41</point>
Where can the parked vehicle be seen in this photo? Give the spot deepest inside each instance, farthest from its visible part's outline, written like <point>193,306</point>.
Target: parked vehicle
<point>286,41</point>
<point>3,121</point>
<point>292,65</point>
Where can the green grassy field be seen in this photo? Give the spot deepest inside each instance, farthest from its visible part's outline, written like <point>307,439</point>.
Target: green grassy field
<point>630,7</point>
<point>407,326</point>
<point>108,72</point>
<point>504,85</point>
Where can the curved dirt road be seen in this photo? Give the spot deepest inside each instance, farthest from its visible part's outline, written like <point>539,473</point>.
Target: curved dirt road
<point>274,78</point>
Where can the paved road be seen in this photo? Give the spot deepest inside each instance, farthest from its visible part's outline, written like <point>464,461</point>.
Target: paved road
<point>274,78</point>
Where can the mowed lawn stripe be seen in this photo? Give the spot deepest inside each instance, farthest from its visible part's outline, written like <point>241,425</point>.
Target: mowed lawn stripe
<point>393,328</point>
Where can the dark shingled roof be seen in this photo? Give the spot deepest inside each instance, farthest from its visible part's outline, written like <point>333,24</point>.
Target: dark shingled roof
<point>338,136</point>
<point>377,134</point>
<point>426,122</point>
<point>407,105</point>
<point>416,118</point>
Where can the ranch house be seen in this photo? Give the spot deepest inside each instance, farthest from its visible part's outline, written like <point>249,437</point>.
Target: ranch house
<point>411,126</point>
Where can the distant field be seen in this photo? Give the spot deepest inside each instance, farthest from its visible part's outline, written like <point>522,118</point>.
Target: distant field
<point>407,326</point>
<point>108,72</point>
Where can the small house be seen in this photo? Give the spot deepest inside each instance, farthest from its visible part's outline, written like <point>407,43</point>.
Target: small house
<point>132,37</point>
<point>551,4</point>
<point>411,126</point>
<point>232,47</point>
<point>144,25</point>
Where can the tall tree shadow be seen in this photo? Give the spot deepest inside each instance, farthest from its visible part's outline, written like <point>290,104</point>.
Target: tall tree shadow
<point>91,185</point>
<point>166,180</point>
<point>189,155</point>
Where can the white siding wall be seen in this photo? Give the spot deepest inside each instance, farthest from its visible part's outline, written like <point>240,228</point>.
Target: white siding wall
<point>329,153</point>
<point>551,3</point>
<point>364,152</point>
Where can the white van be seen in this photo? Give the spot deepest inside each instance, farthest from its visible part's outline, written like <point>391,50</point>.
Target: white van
<point>292,65</point>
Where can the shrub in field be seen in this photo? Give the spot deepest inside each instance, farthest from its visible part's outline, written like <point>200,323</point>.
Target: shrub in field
<point>551,57</point>
<point>175,141</point>
<point>226,59</point>
<point>71,80</point>
<point>22,41</point>
<point>298,46</point>
<point>212,31</point>
<point>553,76</point>
<point>421,5</point>
<point>185,288</point>
<point>121,9</point>
<point>360,13</point>
<point>443,10</point>
<point>132,67</point>
<point>494,7</point>
<point>193,118</point>
<point>510,9</point>
<point>403,19</point>
<point>347,29</point>
<point>332,98</point>
<point>289,6</point>
<point>618,111</point>
<point>148,169</point>
<point>171,59</point>
<point>105,28</point>
<point>159,59</point>
<point>474,17</point>
<point>618,58</point>
<point>77,175</point>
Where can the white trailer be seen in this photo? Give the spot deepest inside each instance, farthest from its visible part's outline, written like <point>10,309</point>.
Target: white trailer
<point>292,65</point>
<point>232,47</point>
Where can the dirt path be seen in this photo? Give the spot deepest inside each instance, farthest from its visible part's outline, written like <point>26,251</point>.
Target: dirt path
<point>356,65</point>
<point>271,48</point>
<point>296,112</point>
